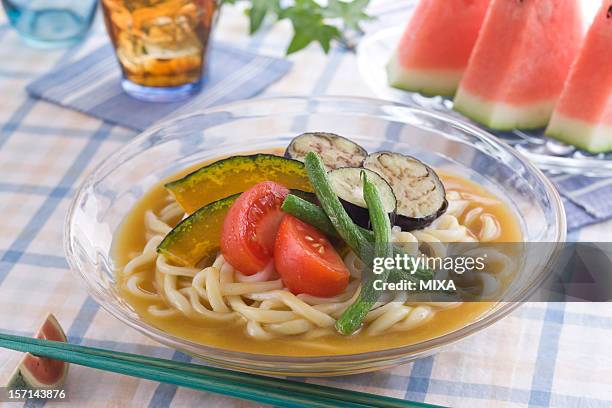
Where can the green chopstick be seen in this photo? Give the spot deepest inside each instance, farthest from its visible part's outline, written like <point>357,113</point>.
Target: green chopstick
<point>253,387</point>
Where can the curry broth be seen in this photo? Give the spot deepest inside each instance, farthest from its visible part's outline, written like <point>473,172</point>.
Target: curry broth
<point>130,240</point>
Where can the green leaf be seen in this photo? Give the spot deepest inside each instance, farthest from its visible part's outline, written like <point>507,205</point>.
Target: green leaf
<point>351,12</point>
<point>309,26</point>
<point>259,10</point>
<point>310,20</point>
<point>298,42</point>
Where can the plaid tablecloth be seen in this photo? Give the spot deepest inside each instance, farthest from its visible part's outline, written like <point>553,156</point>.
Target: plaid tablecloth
<point>540,355</point>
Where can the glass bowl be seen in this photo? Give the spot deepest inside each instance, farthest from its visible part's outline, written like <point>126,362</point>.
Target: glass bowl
<point>375,50</point>
<point>110,191</point>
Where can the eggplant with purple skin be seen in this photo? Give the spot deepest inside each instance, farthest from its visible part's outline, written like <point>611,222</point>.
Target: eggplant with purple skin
<point>347,183</point>
<point>420,194</point>
<point>335,151</point>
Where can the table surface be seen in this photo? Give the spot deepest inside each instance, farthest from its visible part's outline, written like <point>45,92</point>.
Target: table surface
<point>543,354</point>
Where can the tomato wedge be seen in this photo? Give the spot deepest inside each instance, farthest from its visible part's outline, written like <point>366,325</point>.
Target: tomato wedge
<point>249,229</point>
<point>306,260</point>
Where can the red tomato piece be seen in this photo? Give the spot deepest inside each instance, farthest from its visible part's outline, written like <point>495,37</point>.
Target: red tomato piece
<point>306,260</point>
<point>249,229</point>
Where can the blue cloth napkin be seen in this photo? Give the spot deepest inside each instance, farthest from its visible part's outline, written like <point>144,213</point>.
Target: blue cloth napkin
<point>92,86</point>
<point>587,200</point>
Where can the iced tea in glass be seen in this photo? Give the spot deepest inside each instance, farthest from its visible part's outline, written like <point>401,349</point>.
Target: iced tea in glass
<point>160,44</point>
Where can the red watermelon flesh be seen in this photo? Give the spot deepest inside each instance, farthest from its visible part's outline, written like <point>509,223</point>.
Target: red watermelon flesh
<point>42,372</point>
<point>583,115</point>
<point>436,45</point>
<point>520,62</point>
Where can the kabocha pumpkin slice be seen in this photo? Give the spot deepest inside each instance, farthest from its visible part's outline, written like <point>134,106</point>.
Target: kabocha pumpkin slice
<point>235,175</point>
<point>35,372</point>
<point>197,238</point>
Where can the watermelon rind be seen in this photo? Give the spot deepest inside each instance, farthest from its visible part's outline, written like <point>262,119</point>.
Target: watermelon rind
<point>16,380</point>
<point>428,82</point>
<point>593,138</point>
<point>22,378</point>
<point>503,116</point>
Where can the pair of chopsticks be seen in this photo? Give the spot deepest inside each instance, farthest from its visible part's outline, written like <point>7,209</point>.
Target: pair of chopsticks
<point>252,387</point>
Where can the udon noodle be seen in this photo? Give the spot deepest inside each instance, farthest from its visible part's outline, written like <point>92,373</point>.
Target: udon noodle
<point>266,310</point>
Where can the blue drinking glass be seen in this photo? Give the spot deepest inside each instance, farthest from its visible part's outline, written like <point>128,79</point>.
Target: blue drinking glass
<point>51,23</point>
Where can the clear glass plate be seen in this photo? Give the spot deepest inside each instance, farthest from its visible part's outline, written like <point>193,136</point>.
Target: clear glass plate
<point>375,50</point>
<point>111,190</point>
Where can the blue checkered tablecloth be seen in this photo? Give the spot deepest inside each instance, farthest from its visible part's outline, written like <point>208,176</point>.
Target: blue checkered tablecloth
<point>541,355</point>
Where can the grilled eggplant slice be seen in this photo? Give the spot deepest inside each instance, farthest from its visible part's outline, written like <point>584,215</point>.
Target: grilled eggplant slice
<point>348,186</point>
<point>335,151</point>
<point>420,193</point>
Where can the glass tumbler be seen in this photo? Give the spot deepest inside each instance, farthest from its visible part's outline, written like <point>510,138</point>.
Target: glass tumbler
<point>51,23</point>
<point>160,45</point>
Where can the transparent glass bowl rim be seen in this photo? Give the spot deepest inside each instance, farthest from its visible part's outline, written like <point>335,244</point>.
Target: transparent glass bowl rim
<point>219,354</point>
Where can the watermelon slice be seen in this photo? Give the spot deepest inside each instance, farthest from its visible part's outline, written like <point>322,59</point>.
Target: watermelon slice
<point>583,116</point>
<point>436,45</point>
<point>41,372</point>
<point>520,62</point>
